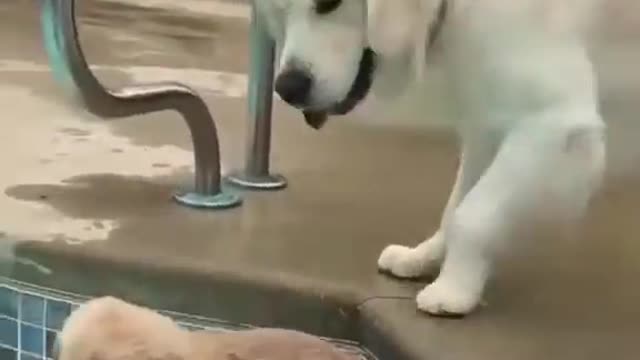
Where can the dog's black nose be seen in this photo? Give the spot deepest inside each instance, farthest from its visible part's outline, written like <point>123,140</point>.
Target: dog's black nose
<point>294,86</point>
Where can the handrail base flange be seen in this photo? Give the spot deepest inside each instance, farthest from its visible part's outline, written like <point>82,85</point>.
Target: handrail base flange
<point>257,182</point>
<point>222,200</point>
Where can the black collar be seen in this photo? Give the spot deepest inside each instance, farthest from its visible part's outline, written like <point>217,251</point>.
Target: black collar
<point>436,26</point>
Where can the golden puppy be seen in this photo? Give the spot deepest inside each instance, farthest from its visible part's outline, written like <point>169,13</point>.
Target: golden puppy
<point>111,329</point>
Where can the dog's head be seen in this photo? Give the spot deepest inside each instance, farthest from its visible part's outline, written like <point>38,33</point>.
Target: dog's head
<point>330,48</point>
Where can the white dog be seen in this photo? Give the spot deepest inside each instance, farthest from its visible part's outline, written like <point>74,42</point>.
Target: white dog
<point>525,97</point>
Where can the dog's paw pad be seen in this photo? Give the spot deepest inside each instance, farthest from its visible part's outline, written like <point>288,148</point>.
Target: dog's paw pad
<point>402,261</point>
<point>443,299</point>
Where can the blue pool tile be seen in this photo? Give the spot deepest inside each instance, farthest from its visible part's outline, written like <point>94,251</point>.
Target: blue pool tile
<point>8,332</point>
<point>9,302</point>
<point>31,339</point>
<point>57,313</point>
<point>33,310</point>
<point>8,354</point>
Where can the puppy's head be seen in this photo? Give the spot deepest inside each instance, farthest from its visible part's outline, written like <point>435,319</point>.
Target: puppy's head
<point>329,48</point>
<point>108,329</point>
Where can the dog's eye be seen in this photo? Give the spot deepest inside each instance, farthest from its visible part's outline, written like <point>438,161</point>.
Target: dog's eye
<point>324,7</point>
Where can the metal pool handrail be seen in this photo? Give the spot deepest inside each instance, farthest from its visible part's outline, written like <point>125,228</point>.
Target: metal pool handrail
<point>69,65</point>
<point>255,174</point>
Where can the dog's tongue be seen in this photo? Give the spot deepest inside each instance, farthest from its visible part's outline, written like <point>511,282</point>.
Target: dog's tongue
<point>315,119</point>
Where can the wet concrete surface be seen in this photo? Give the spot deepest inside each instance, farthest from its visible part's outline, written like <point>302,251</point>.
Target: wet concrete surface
<point>87,189</point>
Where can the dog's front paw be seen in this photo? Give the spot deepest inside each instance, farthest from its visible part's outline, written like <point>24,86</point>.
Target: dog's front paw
<point>443,298</point>
<point>403,262</point>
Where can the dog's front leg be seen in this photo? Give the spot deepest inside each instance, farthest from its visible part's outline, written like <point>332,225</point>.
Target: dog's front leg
<point>425,259</point>
<point>545,171</point>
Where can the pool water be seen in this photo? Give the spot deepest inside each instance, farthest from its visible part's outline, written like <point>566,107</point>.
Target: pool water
<point>31,317</point>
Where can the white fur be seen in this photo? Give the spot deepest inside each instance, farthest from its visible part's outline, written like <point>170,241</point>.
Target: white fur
<point>525,97</point>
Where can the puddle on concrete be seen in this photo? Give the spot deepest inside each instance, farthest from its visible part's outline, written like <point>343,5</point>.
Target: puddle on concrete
<point>101,196</point>
<point>271,230</point>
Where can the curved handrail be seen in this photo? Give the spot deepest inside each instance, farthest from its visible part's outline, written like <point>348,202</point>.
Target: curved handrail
<point>70,66</point>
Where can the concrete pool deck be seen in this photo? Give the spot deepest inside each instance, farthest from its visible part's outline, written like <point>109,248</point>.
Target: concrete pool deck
<point>86,204</point>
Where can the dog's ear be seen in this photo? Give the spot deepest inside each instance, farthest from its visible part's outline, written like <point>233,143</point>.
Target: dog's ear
<point>398,31</point>
<point>392,26</point>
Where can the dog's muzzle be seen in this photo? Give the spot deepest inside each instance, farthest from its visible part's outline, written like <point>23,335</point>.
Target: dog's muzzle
<point>359,90</point>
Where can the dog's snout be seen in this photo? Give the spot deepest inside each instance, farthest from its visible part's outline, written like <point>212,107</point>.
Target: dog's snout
<point>294,86</point>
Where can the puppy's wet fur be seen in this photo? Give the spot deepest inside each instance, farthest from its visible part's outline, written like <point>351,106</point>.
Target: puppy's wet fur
<point>111,329</point>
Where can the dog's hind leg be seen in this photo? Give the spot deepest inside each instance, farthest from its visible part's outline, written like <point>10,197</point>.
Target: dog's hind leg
<point>425,259</point>
<point>546,168</point>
